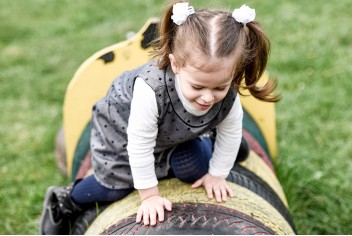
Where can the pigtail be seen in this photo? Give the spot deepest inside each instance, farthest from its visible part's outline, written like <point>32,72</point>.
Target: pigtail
<point>164,43</point>
<point>257,49</point>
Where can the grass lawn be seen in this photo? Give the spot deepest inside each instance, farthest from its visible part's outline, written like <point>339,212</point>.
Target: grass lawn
<point>43,42</point>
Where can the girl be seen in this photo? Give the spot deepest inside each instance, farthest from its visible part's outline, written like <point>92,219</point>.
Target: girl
<point>153,122</point>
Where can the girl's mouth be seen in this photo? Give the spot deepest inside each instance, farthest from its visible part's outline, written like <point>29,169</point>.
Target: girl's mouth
<point>202,106</point>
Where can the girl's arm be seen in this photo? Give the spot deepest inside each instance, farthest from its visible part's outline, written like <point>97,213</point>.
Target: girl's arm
<point>142,132</point>
<point>227,143</point>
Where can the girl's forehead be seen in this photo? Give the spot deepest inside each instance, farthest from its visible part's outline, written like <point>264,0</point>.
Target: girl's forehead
<point>216,74</point>
<point>206,64</point>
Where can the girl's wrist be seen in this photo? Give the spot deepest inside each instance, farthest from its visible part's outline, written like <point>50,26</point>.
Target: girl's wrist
<point>149,192</point>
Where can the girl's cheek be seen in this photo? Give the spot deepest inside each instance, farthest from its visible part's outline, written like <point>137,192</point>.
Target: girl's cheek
<point>220,96</point>
<point>193,96</point>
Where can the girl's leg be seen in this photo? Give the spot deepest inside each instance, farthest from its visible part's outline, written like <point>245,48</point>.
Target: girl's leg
<point>190,160</point>
<point>89,191</point>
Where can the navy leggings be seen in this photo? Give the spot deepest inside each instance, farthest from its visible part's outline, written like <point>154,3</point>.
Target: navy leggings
<point>189,162</point>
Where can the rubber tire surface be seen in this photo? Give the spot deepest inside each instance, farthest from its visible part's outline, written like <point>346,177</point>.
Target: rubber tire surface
<point>238,175</point>
<point>194,218</point>
<point>251,181</point>
<point>83,222</point>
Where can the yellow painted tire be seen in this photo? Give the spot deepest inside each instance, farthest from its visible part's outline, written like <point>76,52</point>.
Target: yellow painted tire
<point>199,218</point>
<point>256,209</point>
<point>193,213</point>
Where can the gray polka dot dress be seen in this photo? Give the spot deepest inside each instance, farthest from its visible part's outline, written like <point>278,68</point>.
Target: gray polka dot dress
<point>175,125</point>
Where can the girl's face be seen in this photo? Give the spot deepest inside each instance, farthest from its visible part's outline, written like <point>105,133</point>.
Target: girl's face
<point>204,87</point>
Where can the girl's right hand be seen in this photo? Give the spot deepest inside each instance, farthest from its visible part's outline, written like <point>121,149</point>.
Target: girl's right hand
<point>152,207</point>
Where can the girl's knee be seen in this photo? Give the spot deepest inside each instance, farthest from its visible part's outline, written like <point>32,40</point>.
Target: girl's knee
<point>190,160</point>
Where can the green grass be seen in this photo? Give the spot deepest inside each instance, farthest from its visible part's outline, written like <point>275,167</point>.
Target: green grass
<point>43,42</point>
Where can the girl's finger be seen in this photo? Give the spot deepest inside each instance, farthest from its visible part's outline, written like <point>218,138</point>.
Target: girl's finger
<point>209,190</point>
<point>230,191</point>
<point>223,193</point>
<point>152,216</point>
<point>160,212</point>
<point>167,204</point>
<point>217,193</point>
<point>146,217</point>
<point>198,183</point>
<point>139,215</point>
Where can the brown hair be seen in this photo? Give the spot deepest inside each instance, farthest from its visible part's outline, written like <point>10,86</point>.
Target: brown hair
<point>216,34</point>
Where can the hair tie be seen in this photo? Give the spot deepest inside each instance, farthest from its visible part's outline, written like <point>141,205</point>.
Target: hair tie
<point>180,12</point>
<point>244,14</point>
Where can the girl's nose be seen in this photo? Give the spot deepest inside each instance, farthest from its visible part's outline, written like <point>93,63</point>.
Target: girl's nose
<point>208,98</point>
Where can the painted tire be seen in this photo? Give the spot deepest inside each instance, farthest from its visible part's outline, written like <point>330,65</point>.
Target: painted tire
<point>256,209</point>
<point>191,218</point>
<point>193,213</point>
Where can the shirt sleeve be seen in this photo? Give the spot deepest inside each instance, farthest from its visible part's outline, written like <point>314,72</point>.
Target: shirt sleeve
<point>227,142</point>
<point>142,131</point>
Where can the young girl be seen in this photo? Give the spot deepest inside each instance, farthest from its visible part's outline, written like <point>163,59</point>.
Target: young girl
<point>153,122</point>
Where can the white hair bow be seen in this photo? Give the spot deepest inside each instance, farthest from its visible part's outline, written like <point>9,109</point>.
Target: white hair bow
<point>180,12</point>
<point>244,14</point>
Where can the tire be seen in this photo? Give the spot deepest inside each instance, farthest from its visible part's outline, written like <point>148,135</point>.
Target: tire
<point>251,181</point>
<point>191,218</point>
<point>204,218</point>
<point>83,222</point>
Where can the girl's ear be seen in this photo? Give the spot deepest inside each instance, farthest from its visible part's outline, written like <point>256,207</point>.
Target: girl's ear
<point>175,68</point>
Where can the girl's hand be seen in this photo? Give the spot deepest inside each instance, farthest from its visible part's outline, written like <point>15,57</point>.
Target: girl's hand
<point>215,185</point>
<point>152,207</point>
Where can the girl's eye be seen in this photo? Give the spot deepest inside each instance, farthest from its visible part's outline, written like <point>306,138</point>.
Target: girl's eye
<point>221,89</point>
<point>196,88</point>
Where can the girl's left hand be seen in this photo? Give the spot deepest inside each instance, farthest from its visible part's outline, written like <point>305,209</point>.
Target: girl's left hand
<point>215,185</point>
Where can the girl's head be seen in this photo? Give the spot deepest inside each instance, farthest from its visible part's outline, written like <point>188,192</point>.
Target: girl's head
<point>212,42</point>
